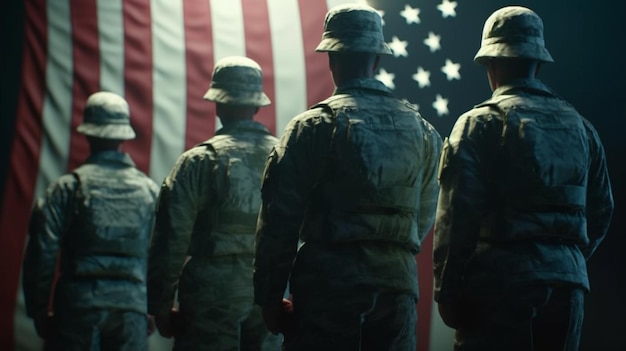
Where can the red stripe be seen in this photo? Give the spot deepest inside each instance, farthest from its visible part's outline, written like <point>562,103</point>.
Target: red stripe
<point>199,62</point>
<point>319,84</point>
<point>258,47</point>
<point>86,72</point>
<point>138,78</point>
<point>24,162</point>
<point>425,303</point>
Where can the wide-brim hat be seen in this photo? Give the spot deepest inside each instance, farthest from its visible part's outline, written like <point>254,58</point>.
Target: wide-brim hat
<point>353,28</point>
<point>107,116</point>
<point>238,81</point>
<point>513,32</point>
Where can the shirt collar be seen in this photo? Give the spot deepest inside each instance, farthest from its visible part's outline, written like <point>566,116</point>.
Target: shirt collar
<point>528,84</point>
<point>111,156</point>
<point>362,83</point>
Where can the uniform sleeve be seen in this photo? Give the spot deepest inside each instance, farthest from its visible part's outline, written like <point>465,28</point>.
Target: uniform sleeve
<point>430,185</point>
<point>290,173</point>
<point>599,195</point>
<point>49,221</point>
<point>461,205</point>
<point>184,194</point>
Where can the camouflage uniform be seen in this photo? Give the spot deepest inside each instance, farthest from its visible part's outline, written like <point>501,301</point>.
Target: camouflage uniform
<point>206,217</point>
<point>354,179</point>
<point>99,219</point>
<point>525,201</point>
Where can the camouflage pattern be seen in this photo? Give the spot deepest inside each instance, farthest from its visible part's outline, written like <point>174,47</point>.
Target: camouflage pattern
<point>237,81</point>
<point>324,186</point>
<point>106,116</point>
<point>54,228</point>
<point>353,28</point>
<point>99,330</point>
<point>513,31</point>
<point>206,217</point>
<point>511,210</point>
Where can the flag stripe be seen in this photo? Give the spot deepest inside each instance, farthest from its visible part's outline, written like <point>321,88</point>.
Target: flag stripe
<point>86,57</point>
<point>289,65</point>
<point>227,21</point>
<point>318,82</point>
<point>20,182</point>
<point>169,86</point>
<point>199,63</point>
<point>57,103</point>
<point>138,77</point>
<point>258,40</point>
<point>424,307</point>
<point>110,35</point>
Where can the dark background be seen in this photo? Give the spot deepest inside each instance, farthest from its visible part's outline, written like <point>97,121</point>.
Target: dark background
<point>584,37</point>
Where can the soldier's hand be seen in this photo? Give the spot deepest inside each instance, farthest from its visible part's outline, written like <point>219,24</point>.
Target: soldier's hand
<point>279,318</point>
<point>44,325</point>
<point>164,325</point>
<point>456,313</point>
<point>151,325</point>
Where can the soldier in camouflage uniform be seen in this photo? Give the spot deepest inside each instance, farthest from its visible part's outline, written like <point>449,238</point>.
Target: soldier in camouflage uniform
<point>354,180</point>
<point>203,242</point>
<point>525,201</point>
<point>98,218</point>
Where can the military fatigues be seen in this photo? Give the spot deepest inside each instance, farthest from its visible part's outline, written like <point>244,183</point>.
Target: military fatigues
<point>100,218</point>
<point>525,200</point>
<point>353,178</point>
<point>207,210</point>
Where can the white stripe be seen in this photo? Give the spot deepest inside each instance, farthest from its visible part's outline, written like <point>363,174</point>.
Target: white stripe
<point>55,141</point>
<point>289,63</point>
<point>57,105</point>
<point>169,87</point>
<point>111,45</point>
<point>229,38</point>
<point>228,29</point>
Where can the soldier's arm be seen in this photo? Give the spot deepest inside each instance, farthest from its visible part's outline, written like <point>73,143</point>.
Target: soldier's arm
<point>430,186</point>
<point>184,193</point>
<point>48,224</point>
<point>290,173</point>
<point>599,195</point>
<point>462,202</point>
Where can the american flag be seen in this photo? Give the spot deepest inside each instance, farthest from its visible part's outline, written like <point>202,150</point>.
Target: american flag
<point>159,55</point>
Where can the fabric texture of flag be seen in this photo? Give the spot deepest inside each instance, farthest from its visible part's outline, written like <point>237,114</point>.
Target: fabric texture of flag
<point>159,55</point>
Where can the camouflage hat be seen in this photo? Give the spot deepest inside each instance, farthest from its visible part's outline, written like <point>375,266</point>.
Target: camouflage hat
<point>353,28</point>
<point>107,116</point>
<point>237,81</point>
<point>513,31</point>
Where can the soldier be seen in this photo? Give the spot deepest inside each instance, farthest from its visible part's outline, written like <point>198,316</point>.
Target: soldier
<point>354,180</point>
<point>207,210</point>
<point>98,220</point>
<point>525,201</point>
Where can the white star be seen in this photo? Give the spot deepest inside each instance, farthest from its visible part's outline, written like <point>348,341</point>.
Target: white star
<point>447,8</point>
<point>441,105</point>
<point>398,46</point>
<point>422,77</point>
<point>451,70</point>
<point>433,41</point>
<point>387,78</point>
<point>411,14</point>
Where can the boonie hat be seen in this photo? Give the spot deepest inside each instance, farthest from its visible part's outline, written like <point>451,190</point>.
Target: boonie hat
<point>513,31</point>
<point>237,80</point>
<point>353,28</point>
<point>107,116</point>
